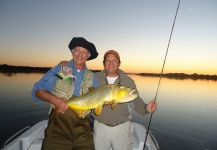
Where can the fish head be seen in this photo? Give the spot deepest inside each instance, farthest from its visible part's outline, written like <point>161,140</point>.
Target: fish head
<point>123,94</point>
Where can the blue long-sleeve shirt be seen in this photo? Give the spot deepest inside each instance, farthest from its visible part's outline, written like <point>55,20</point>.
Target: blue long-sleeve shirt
<point>48,81</point>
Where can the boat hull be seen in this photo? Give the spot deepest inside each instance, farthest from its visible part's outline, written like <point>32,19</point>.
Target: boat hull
<point>33,137</point>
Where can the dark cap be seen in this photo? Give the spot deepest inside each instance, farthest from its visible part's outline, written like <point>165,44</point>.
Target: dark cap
<point>80,41</point>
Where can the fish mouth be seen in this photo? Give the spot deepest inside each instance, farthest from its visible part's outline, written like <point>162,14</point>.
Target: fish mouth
<point>130,96</point>
<point>132,91</point>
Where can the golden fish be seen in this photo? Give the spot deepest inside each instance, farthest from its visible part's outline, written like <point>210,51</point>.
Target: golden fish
<point>97,97</point>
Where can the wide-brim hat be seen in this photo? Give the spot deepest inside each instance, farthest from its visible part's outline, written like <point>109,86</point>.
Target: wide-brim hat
<point>80,41</point>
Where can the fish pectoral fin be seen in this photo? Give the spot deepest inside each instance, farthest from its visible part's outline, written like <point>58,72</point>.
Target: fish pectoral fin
<point>114,105</point>
<point>98,110</point>
<point>80,113</point>
<point>83,113</point>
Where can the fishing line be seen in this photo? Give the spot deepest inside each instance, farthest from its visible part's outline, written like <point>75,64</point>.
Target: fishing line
<point>161,74</point>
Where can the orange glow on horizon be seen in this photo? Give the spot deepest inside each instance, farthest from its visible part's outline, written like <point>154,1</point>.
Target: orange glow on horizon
<point>98,65</point>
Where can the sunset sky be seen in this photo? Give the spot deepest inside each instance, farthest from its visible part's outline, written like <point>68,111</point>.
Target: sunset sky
<point>37,33</point>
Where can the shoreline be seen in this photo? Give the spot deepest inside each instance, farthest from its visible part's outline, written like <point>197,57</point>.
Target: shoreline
<point>9,69</point>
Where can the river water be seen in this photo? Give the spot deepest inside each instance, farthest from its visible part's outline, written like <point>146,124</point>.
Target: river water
<point>186,118</point>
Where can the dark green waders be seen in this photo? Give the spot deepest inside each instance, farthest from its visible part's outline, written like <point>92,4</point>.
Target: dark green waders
<point>68,132</point>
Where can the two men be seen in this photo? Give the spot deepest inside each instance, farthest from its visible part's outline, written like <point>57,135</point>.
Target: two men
<point>68,131</point>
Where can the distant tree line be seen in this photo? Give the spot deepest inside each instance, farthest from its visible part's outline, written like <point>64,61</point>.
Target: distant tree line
<point>4,68</point>
<point>181,76</point>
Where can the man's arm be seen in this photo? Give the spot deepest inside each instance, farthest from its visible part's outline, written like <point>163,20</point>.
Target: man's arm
<point>42,88</point>
<point>59,103</point>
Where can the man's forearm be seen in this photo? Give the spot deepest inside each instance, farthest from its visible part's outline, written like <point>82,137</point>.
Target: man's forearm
<point>45,96</point>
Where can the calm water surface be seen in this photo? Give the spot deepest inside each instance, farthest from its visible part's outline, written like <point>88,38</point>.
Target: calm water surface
<point>186,118</point>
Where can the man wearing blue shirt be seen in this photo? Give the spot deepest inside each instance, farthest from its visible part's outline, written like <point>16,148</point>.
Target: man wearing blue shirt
<point>65,129</point>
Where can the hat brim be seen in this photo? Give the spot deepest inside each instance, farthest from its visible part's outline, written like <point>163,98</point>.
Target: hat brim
<point>79,41</point>
<point>93,53</point>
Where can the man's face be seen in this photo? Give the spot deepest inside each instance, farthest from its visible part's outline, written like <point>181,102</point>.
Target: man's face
<point>111,64</point>
<point>80,55</point>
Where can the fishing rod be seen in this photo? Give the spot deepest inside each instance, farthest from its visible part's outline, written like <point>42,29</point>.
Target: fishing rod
<point>161,73</point>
